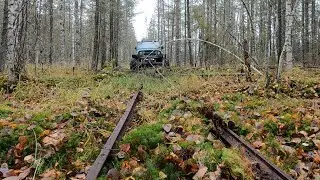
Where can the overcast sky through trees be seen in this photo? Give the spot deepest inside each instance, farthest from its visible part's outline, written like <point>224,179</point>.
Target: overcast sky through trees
<point>146,9</point>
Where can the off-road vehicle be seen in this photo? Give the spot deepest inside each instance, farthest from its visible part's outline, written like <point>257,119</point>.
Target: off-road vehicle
<point>148,54</point>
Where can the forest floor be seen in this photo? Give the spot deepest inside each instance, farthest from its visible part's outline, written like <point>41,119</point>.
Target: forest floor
<point>54,124</point>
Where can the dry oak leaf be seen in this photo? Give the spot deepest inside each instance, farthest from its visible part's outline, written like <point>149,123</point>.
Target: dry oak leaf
<point>79,177</point>
<point>316,158</point>
<point>21,176</point>
<point>29,159</point>
<point>317,143</point>
<point>167,127</point>
<point>54,139</point>
<point>125,148</point>
<point>201,172</point>
<point>258,144</point>
<point>20,146</point>
<point>50,174</point>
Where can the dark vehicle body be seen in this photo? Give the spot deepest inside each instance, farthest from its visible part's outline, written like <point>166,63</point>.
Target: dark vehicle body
<point>148,54</point>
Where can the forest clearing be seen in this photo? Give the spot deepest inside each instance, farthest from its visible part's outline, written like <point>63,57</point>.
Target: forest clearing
<point>56,123</point>
<point>159,89</point>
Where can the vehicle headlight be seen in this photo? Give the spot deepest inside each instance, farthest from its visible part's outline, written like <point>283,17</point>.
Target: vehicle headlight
<point>158,53</point>
<point>140,53</point>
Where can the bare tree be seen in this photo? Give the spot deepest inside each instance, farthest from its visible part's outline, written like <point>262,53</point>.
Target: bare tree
<point>51,32</point>
<point>189,33</point>
<point>4,37</point>
<point>177,31</point>
<point>62,55</point>
<point>95,56</point>
<point>77,33</point>
<point>103,44</point>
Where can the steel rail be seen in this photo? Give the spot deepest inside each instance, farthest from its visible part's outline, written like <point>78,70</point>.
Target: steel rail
<point>118,130</point>
<point>262,167</point>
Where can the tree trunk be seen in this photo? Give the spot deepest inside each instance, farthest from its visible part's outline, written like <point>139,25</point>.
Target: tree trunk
<point>51,32</point>
<point>314,32</point>
<point>116,35</point>
<point>4,37</point>
<point>62,54</point>
<point>177,31</point>
<point>111,31</point>
<point>81,28</point>
<point>77,45</point>
<point>306,33</point>
<point>286,54</point>
<point>189,34</point>
<point>95,56</point>
<point>269,44</point>
<point>103,44</point>
<point>17,25</point>
<point>247,60</point>
<point>288,40</point>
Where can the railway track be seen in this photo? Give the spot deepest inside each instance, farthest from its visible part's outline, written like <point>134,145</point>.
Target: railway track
<point>116,135</point>
<point>262,168</point>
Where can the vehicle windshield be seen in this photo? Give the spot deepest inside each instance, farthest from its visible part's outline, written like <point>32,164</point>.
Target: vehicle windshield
<point>149,45</point>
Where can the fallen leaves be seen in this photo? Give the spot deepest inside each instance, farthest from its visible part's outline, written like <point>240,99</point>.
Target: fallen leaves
<point>20,146</point>
<point>167,127</point>
<point>316,158</point>
<point>199,175</point>
<point>51,174</point>
<point>29,159</point>
<point>125,148</point>
<point>55,139</point>
<point>258,144</point>
<point>195,138</point>
<point>17,175</point>
<point>317,143</point>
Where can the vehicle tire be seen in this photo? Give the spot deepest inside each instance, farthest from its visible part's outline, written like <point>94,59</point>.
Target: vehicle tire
<point>134,65</point>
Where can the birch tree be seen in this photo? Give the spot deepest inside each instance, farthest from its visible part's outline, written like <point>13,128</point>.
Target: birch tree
<point>286,54</point>
<point>17,12</point>
<point>62,54</point>
<point>77,33</point>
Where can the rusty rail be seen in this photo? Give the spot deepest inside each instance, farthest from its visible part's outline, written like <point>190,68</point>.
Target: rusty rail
<point>105,152</point>
<point>262,168</point>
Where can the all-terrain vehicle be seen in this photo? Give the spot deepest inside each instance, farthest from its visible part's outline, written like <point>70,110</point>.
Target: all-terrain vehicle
<point>148,54</point>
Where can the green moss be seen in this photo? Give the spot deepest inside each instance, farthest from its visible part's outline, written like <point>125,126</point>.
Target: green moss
<point>149,135</point>
<point>9,138</point>
<point>254,104</point>
<point>213,156</point>
<point>271,127</point>
<point>217,106</point>
<point>290,163</point>
<point>186,144</point>
<point>5,112</point>
<point>238,97</point>
<point>60,158</point>
<point>235,163</point>
<point>168,111</point>
<point>172,172</point>
<point>152,169</point>
<point>272,142</point>
<point>74,140</point>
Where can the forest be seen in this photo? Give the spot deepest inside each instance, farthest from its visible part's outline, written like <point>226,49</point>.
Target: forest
<point>237,77</point>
